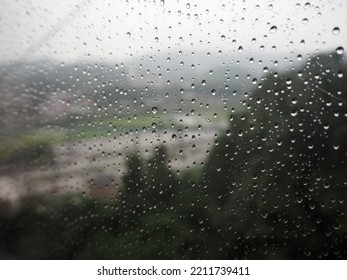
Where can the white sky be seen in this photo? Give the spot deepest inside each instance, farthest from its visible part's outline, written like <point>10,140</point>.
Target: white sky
<point>99,29</point>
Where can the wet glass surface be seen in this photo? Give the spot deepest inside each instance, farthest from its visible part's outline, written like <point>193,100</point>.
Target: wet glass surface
<point>173,130</point>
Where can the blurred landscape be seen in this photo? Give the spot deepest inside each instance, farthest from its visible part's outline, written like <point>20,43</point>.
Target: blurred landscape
<point>222,159</point>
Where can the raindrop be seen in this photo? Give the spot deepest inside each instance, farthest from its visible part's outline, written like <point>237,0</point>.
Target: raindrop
<point>307,6</point>
<point>336,30</point>
<point>240,49</point>
<point>264,214</point>
<point>222,37</point>
<point>273,29</point>
<point>213,92</point>
<point>339,50</point>
<point>128,34</point>
<point>294,113</point>
<point>203,83</point>
<point>154,110</point>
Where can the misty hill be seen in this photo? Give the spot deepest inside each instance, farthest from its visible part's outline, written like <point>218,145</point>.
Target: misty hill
<point>62,89</point>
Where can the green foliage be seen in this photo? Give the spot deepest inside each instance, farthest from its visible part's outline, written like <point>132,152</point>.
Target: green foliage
<point>24,150</point>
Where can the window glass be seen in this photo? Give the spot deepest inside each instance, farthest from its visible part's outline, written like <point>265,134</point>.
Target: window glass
<point>173,130</point>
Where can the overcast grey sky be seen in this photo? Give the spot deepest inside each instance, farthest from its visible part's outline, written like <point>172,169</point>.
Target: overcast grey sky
<point>67,30</point>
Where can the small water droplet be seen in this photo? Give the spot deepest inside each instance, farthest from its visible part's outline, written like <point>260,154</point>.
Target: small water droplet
<point>307,6</point>
<point>213,92</point>
<point>154,110</point>
<point>128,34</point>
<point>264,214</point>
<point>337,226</point>
<point>294,113</point>
<point>203,83</point>
<point>336,30</point>
<point>339,50</point>
<point>240,49</point>
<point>222,37</point>
<point>273,29</point>
<point>326,126</point>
